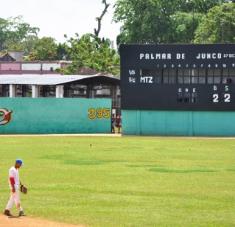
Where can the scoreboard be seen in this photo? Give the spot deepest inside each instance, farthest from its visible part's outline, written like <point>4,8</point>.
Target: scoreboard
<point>178,77</point>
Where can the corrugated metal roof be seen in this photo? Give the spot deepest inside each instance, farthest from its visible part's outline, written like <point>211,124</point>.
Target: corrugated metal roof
<point>45,79</point>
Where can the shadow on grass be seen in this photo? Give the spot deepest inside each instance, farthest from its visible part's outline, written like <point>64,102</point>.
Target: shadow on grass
<point>90,162</point>
<point>76,161</point>
<point>84,162</point>
<point>231,170</point>
<point>166,170</point>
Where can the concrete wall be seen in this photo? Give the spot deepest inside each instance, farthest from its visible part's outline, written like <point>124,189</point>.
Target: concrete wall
<point>178,123</point>
<point>49,66</point>
<point>31,66</point>
<point>49,115</point>
<point>10,66</point>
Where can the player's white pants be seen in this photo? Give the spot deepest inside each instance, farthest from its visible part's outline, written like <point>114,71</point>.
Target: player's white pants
<point>14,198</point>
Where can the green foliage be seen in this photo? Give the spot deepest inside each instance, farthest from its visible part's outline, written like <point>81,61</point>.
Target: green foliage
<point>14,32</point>
<point>87,51</point>
<point>62,51</point>
<point>218,26</point>
<point>145,21</point>
<point>199,6</point>
<point>93,52</point>
<point>44,49</point>
<point>128,181</point>
<point>160,21</point>
<point>184,25</point>
<point>26,45</point>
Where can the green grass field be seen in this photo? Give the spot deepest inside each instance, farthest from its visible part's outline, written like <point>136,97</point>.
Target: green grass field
<point>128,181</point>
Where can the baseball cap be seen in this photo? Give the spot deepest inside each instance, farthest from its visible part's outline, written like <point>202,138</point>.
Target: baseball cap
<point>19,161</point>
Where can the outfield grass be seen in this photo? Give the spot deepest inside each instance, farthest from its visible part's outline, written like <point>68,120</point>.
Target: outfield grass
<point>129,181</point>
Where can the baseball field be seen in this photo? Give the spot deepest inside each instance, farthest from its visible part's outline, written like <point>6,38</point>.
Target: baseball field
<point>124,181</point>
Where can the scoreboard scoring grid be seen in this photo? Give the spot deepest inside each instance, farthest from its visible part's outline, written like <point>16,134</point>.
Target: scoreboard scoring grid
<point>178,77</point>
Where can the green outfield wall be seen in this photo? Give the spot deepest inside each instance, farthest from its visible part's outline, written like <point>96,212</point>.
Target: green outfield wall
<point>178,123</point>
<point>51,115</point>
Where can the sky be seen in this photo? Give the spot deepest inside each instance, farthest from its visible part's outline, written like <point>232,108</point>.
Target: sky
<point>58,17</point>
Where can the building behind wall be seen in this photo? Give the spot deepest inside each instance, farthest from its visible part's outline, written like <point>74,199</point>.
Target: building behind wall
<point>8,66</point>
<point>12,66</point>
<point>178,89</point>
<point>61,86</point>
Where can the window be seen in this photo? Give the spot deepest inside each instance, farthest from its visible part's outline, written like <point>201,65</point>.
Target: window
<point>4,90</point>
<point>75,90</point>
<point>47,91</point>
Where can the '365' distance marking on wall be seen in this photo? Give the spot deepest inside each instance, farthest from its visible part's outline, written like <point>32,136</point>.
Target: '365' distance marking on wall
<point>99,113</point>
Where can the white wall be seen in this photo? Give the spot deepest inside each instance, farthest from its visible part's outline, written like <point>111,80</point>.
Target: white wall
<point>31,66</point>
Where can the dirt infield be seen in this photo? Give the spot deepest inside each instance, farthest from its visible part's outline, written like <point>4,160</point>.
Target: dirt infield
<point>31,222</point>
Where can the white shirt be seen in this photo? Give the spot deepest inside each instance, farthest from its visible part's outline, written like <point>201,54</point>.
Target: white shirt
<point>13,172</point>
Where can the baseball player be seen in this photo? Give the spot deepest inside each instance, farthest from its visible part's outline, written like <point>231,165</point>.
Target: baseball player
<point>14,183</point>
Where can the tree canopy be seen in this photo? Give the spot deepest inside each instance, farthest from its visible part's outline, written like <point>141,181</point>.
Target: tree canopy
<point>44,49</point>
<point>218,26</point>
<point>160,21</point>
<point>14,33</point>
<point>93,52</point>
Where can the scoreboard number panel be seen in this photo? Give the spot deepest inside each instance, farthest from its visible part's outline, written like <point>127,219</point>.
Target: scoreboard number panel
<point>178,77</point>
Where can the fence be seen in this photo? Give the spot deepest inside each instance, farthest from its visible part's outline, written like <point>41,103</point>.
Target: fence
<point>50,115</point>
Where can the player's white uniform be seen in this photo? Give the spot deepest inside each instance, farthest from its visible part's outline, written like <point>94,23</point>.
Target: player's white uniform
<point>14,197</point>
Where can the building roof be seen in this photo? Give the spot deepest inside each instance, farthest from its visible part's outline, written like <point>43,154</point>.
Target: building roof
<point>56,79</point>
<point>6,57</point>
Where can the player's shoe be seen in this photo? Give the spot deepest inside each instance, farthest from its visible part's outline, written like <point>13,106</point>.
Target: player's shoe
<point>21,213</point>
<point>7,213</point>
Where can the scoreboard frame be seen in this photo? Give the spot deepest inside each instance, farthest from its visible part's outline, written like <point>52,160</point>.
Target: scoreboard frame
<point>178,77</point>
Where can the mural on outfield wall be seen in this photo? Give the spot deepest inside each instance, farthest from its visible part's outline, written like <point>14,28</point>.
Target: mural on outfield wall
<point>5,116</point>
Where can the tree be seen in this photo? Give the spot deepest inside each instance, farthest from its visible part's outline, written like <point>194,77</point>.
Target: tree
<point>145,21</point>
<point>199,6</point>
<point>160,21</point>
<point>218,26</point>
<point>93,52</point>
<point>14,32</point>
<point>62,51</point>
<point>184,26</point>
<point>90,51</point>
<point>4,33</point>
<point>44,49</point>
<point>99,19</point>
<point>26,45</point>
